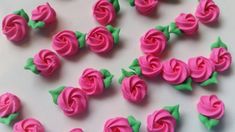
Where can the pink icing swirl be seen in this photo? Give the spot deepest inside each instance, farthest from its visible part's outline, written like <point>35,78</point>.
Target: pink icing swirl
<point>46,62</point>
<point>161,121</point>
<point>65,43</point>
<point>14,27</point>
<point>118,124</point>
<point>153,42</point>
<point>73,101</point>
<point>100,40</point>
<point>221,58</point>
<point>207,11</point>
<point>175,71</point>
<point>9,104</point>
<point>44,13</point>
<point>211,106</point>
<point>146,7</point>
<point>91,82</point>
<point>201,68</point>
<point>187,23</point>
<point>134,89</point>
<point>28,125</point>
<point>150,65</point>
<point>76,130</point>
<point>104,12</point>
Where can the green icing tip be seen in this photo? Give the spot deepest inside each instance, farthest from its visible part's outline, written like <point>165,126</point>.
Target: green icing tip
<point>135,124</point>
<point>174,29</point>
<point>135,67</point>
<point>8,120</point>
<point>212,80</point>
<point>131,2</point>
<point>30,66</point>
<point>219,43</point>
<point>115,33</point>
<point>208,123</point>
<point>186,85</point>
<point>125,74</point>
<point>107,78</point>
<point>116,5</point>
<point>36,24</point>
<point>165,30</point>
<point>56,92</point>
<point>174,111</point>
<point>81,37</point>
<point>22,13</point>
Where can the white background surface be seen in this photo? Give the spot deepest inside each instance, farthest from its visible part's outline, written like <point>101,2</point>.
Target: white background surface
<point>76,15</point>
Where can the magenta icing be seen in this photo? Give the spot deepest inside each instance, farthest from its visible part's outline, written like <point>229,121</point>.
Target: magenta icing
<point>14,27</point>
<point>161,121</point>
<point>146,7</point>
<point>73,101</point>
<point>211,106</point>
<point>134,89</point>
<point>153,42</point>
<point>207,11</point>
<point>104,12</point>
<point>9,104</point>
<point>118,124</point>
<point>221,58</point>
<point>175,71</point>
<point>28,125</point>
<point>46,62</point>
<point>100,40</point>
<point>150,65</point>
<point>187,23</point>
<point>76,130</point>
<point>201,68</point>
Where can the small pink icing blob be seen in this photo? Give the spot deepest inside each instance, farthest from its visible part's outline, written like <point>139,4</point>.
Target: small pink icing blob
<point>91,82</point>
<point>175,71</point>
<point>201,68</point>
<point>104,12</point>
<point>211,106</point>
<point>221,58</point>
<point>76,130</point>
<point>14,27</point>
<point>150,65</point>
<point>118,124</point>
<point>65,43</point>
<point>146,7</point>
<point>100,40</point>
<point>153,42</point>
<point>207,11</point>
<point>72,101</point>
<point>187,23</point>
<point>28,125</point>
<point>9,104</point>
<point>161,121</point>
<point>44,13</point>
<point>46,62</point>
<point>134,89</point>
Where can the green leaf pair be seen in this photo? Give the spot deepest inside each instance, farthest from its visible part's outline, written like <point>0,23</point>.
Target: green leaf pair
<point>8,120</point>
<point>174,111</point>
<point>212,80</point>
<point>219,43</point>
<point>135,124</point>
<point>115,33</point>
<point>22,13</point>
<point>55,93</point>
<point>116,5</point>
<point>186,85</point>
<point>208,123</point>
<point>31,66</point>
<point>36,24</point>
<point>125,74</point>
<point>81,37</point>
<point>167,30</point>
<point>135,67</point>
<point>107,78</point>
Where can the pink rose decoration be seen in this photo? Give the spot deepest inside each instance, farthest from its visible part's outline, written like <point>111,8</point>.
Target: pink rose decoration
<point>201,68</point>
<point>175,71</point>
<point>72,101</point>
<point>146,7</point>
<point>153,42</point>
<point>28,125</point>
<point>9,104</point>
<point>14,27</point>
<point>211,106</point>
<point>65,43</point>
<point>150,65</point>
<point>161,121</point>
<point>91,82</point>
<point>46,62</point>
<point>207,11</point>
<point>104,12</point>
<point>221,58</point>
<point>134,89</point>
<point>76,130</point>
<point>118,124</point>
<point>187,23</point>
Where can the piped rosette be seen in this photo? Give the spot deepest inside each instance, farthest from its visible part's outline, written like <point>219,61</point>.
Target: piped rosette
<point>144,7</point>
<point>29,124</point>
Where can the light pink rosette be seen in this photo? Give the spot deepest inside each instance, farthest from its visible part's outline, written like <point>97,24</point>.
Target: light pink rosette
<point>28,125</point>
<point>118,124</point>
<point>153,42</point>
<point>9,104</point>
<point>146,7</point>
<point>161,121</point>
<point>211,106</point>
<point>76,130</point>
<point>221,58</point>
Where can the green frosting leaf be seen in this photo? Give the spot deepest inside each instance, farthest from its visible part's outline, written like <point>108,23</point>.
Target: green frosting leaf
<point>186,85</point>
<point>135,66</point>
<point>81,37</point>
<point>208,123</point>
<point>135,124</point>
<point>36,24</point>
<point>56,92</point>
<point>30,66</point>
<point>131,2</point>
<point>115,33</point>
<point>7,120</point>
<point>22,13</point>
<point>165,30</point>
<point>107,77</point>
<point>174,29</point>
<point>174,110</point>
<point>211,80</point>
<point>219,43</point>
<point>125,74</point>
<point>116,5</point>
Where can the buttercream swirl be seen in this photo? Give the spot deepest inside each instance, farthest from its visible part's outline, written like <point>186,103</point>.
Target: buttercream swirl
<point>28,125</point>
<point>9,104</point>
<point>146,7</point>
<point>118,124</point>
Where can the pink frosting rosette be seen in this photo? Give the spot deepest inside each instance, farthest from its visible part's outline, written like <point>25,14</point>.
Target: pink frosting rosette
<point>145,7</point>
<point>27,125</point>
<point>76,130</point>
<point>207,11</point>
